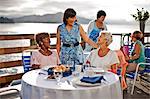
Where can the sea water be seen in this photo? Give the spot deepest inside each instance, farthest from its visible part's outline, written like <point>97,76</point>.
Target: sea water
<point>33,28</point>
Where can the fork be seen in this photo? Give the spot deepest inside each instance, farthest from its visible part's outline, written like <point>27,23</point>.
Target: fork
<point>70,83</point>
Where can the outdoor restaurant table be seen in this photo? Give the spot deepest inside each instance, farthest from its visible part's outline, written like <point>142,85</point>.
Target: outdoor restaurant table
<point>35,86</point>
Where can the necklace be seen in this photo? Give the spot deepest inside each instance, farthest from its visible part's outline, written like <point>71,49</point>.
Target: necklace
<point>45,52</point>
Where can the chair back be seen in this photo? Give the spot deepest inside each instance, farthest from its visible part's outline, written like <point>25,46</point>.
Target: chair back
<point>147,52</point>
<point>26,59</point>
<point>147,55</point>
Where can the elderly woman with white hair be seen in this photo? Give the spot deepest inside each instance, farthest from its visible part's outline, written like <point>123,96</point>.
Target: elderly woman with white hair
<point>103,57</point>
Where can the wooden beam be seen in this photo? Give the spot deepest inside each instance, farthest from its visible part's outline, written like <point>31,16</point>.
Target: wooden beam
<point>146,34</point>
<point>53,35</point>
<point>19,49</point>
<point>11,64</point>
<point>21,36</point>
<point>53,46</point>
<point>10,78</point>
<point>12,50</point>
<point>15,49</point>
<point>16,36</point>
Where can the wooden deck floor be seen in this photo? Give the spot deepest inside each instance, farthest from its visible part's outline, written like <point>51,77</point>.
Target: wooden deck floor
<point>138,94</point>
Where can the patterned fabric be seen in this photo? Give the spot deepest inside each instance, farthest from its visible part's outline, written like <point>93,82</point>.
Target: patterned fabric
<point>73,53</point>
<point>93,33</point>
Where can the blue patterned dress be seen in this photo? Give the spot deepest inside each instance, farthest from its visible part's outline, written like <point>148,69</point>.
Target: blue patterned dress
<point>72,53</point>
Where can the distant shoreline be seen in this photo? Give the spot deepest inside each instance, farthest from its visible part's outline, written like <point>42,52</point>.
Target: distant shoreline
<point>26,22</point>
<point>107,23</point>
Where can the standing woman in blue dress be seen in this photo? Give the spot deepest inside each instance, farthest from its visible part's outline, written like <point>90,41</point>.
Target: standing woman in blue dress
<point>69,35</point>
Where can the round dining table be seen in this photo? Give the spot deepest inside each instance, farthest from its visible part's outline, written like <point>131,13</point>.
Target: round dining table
<point>35,85</point>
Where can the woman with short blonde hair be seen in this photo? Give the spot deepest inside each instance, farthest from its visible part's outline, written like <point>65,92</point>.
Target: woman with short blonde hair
<point>103,57</point>
<point>108,37</point>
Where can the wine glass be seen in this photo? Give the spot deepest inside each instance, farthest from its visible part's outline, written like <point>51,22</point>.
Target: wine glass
<point>58,76</point>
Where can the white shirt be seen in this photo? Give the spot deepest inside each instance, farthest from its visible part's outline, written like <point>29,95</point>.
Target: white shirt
<point>104,62</point>
<point>39,58</point>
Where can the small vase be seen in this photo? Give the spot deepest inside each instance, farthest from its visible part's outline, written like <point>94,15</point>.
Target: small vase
<point>142,26</point>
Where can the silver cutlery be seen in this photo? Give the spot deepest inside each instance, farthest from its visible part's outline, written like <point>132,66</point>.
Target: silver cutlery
<point>70,83</point>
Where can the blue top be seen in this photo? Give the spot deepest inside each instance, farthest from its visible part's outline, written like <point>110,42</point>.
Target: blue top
<point>93,33</point>
<point>72,53</point>
<point>142,53</point>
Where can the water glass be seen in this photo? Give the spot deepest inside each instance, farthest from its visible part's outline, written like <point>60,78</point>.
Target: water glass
<point>88,71</point>
<point>77,70</point>
<point>58,76</point>
<point>70,64</point>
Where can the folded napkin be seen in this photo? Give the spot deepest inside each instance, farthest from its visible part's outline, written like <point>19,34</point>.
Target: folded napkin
<point>92,80</point>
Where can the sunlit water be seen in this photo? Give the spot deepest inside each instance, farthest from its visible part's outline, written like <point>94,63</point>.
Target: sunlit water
<point>33,28</point>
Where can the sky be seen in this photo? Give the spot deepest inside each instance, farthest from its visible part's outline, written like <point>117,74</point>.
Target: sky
<point>115,9</point>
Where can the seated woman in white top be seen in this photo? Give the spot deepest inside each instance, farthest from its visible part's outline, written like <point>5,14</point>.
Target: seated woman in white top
<point>103,57</point>
<point>44,56</point>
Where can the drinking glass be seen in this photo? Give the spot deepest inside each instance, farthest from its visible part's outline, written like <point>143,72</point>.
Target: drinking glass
<point>85,67</point>
<point>70,64</point>
<point>77,70</point>
<point>88,71</point>
<point>58,76</point>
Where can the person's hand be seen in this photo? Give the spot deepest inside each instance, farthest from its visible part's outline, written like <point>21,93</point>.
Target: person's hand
<point>35,66</point>
<point>97,45</point>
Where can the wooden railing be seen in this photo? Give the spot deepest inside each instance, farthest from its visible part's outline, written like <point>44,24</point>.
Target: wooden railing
<point>146,38</point>
<point>7,78</point>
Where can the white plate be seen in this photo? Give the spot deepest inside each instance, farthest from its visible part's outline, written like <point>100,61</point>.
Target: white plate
<point>98,70</point>
<point>78,82</point>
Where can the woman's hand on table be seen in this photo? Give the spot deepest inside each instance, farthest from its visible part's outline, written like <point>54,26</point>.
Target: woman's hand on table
<point>35,66</point>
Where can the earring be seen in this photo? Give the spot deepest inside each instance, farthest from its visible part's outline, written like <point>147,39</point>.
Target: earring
<point>41,43</point>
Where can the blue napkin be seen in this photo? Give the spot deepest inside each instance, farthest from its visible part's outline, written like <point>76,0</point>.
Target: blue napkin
<point>92,80</point>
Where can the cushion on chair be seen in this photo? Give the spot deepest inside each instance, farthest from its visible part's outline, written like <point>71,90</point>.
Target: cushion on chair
<point>147,52</point>
<point>130,75</point>
<point>26,63</point>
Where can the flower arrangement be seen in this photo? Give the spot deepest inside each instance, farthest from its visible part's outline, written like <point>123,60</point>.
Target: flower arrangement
<point>142,15</point>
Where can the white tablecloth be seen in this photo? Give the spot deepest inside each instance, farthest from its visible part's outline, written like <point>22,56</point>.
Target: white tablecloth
<point>35,86</point>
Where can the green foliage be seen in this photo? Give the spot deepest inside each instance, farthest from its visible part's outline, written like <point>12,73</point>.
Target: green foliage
<point>141,15</point>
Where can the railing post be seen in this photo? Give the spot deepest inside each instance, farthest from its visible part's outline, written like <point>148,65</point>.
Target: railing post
<point>32,42</point>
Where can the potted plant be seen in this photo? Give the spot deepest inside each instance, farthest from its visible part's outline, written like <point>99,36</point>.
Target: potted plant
<point>141,16</point>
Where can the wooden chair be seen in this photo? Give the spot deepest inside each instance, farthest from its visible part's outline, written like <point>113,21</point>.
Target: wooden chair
<point>11,92</point>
